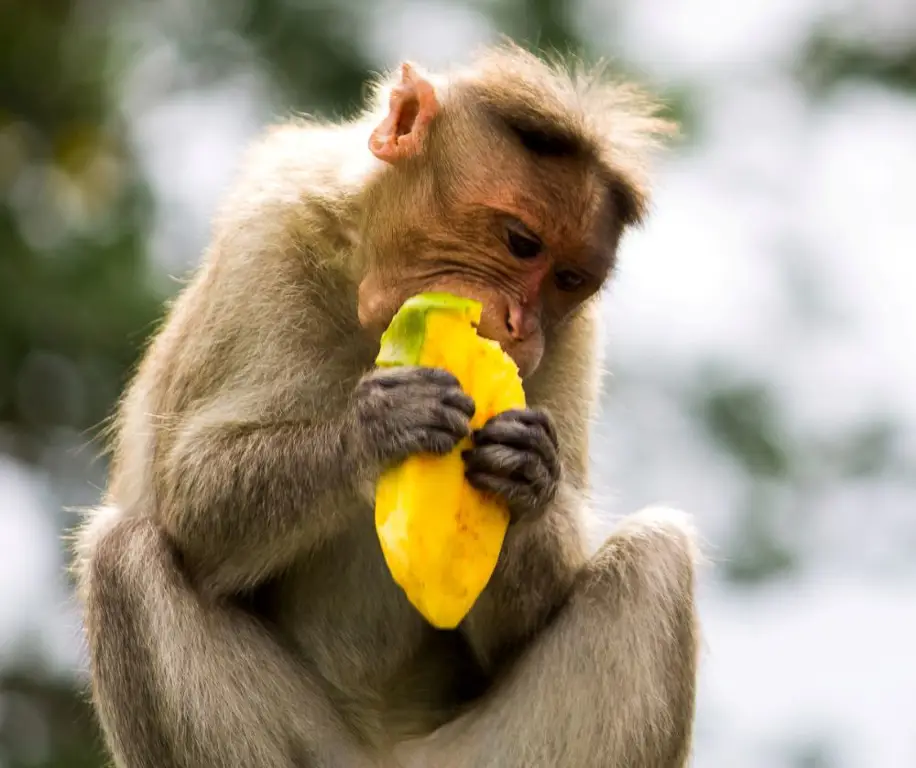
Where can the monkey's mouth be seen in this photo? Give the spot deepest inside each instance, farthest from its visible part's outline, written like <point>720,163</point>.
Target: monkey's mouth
<point>525,354</point>
<point>379,303</point>
<point>527,357</point>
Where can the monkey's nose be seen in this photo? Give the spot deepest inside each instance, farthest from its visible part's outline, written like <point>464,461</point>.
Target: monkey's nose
<point>520,323</point>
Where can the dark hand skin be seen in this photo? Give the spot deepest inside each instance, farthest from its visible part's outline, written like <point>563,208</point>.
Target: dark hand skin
<point>515,456</point>
<point>406,410</point>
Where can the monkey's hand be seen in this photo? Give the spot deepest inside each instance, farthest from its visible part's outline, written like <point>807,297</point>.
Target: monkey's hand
<point>515,456</point>
<point>406,410</point>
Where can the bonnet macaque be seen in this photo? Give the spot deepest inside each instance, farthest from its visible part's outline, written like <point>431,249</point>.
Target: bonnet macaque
<point>238,609</point>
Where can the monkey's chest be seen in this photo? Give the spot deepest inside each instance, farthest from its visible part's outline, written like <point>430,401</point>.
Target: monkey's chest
<point>354,626</point>
<point>346,615</point>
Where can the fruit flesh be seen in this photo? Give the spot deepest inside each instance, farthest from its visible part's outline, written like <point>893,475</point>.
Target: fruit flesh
<point>440,536</point>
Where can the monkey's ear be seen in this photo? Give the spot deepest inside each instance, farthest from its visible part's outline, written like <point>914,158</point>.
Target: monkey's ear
<point>412,106</point>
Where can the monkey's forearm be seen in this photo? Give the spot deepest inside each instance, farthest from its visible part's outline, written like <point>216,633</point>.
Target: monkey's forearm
<point>241,500</point>
<point>536,569</point>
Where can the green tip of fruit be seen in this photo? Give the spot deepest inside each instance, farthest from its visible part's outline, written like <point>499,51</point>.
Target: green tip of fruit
<point>424,302</point>
<point>402,341</point>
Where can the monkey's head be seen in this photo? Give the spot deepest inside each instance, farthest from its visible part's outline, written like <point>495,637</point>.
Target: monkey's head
<point>511,184</point>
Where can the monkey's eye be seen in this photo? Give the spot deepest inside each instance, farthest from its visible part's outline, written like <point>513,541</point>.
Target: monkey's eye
<point>567,280</point>
<point>522,242</point>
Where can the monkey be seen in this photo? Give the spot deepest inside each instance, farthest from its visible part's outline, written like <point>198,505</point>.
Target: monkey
<point>237,608</point>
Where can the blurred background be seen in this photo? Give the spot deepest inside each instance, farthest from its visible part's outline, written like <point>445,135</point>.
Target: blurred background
<point>761,335</point>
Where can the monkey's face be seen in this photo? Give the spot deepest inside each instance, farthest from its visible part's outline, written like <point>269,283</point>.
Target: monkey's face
<point>531,258</point>
<point>520,218</point>
<point>532,241</point>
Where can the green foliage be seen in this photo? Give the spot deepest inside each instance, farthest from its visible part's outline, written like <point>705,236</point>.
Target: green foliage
<point>742,418</point>
<point>310,51</point>
<point>75,295</point>
<point>830,60</point>
<point>46,722</point>
<point>758,551</point>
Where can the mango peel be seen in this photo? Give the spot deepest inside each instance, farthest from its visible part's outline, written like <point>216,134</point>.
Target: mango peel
<point>440,536</point>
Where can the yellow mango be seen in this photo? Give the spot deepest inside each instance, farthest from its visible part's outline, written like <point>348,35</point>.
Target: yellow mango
<point>440,536</point>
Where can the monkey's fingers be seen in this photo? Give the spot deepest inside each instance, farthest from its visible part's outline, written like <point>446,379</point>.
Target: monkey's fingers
<point>513,432</point>
<point>424,426</point>
<point>520,498</point>
<point>533,417</point>
<point>517,466</point>
<point>460,400</point>
<point>414,396</point>
<point>411,374</point>
<point>426,440</point>
<point>521,478</point>
<point>390,389</point>
<point>444,417</point>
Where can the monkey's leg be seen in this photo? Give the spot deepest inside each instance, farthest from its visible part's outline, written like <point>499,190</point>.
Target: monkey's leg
<point>180,683</point>
<point>610,682</point>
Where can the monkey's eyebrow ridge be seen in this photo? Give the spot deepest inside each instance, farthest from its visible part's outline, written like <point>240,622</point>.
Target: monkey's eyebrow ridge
<point>538,133</point>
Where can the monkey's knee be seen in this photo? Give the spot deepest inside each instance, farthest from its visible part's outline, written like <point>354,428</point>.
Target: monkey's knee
<point>653,555</point>
<point>114,567</point>
<point>639,595</point>
<point>116,558</point>
<point>663,533</point>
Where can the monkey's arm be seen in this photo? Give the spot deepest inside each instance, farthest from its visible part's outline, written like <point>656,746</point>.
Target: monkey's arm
<point>242,497</point>
<point>264,423</point>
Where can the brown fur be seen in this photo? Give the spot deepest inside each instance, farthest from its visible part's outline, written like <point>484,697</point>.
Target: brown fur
<point>238,609</point>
